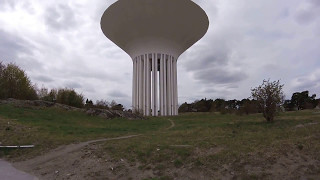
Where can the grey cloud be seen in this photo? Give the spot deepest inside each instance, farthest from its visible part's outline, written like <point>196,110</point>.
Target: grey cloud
<point>305,17</point>
<point>308,15</point>
<point>43,78</point>
<point>117,94</point>
<point>309,82</point>
<point>11,49</point>
<point>219,88</point>
<point>8,4</point>
<point>219,76</point>
<point>305,83</point>
<point>267,34</point>
<point>215,50</point>
<point>73,85</point>
<point>93,74</point>
<point>217,57</point>
<point>11,46</point>
<point>60,17</point>
<point>241,36</point>
<point>315,2</point>
<point>89,89</point>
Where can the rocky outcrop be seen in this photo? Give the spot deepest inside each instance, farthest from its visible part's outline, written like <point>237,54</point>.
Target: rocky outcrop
<point>108,114</point>
<point>39,104</point>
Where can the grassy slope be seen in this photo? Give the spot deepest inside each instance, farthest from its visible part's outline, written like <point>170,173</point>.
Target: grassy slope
<point>214,140</point>
<point>48,128</point>
<point>221,139</point>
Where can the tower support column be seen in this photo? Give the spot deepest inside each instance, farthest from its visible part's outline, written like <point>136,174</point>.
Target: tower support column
<point>151,93</point>
<point>161,85</point>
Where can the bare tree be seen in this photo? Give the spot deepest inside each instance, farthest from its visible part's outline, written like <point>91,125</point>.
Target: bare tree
<point>269,96</point>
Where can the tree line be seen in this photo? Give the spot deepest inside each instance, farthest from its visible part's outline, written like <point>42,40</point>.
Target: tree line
<point>299,101</point>
<point>14,83</point>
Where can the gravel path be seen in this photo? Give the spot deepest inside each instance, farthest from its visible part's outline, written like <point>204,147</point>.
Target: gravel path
<point>60,151</point>
<point>172,124</point>
<point>8,172</point>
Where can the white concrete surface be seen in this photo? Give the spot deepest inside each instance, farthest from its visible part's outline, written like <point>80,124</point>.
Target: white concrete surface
<point>154,33</point>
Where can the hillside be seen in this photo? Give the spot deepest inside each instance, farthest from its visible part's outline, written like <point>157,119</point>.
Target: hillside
<point>189,146</point>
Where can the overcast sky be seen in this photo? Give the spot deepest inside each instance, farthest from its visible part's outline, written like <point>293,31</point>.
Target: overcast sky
<point>59,43</point>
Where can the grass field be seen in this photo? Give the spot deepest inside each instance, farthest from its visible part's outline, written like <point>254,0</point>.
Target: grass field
<point>211,143</point>
<point>50,127</point>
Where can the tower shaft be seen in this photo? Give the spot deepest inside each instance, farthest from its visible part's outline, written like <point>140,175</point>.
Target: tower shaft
<point>154,88</point>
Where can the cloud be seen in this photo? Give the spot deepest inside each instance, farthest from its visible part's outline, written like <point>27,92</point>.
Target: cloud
<point>60,43</point>
<point>309,82</point>
<point>73,85</point>
<point>117,94</point>
<point>308,12</point>
<point>219,76</point>
<point>305,17</point>
<point>60,17</point>
<point>5,4</point>
<point>43,78</point>
<point>12,46</point>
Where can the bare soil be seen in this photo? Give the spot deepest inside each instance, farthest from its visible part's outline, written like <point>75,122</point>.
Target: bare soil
<point>87,161</point>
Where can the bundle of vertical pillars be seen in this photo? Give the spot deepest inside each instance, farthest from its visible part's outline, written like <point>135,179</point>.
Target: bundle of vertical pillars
<point>155,89</point>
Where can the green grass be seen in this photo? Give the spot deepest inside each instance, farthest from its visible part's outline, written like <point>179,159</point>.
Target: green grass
<point>216,140</point>
<point>210,140</point>
<point>50,127</point>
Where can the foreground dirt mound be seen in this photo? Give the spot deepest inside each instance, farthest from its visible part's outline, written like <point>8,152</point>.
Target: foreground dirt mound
<point>38,104</point>
<point>89,161</point>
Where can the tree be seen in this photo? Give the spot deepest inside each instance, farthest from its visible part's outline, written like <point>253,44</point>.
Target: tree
<point>14,83</point>
<point>102,104</point>
<point>118,107</point>
<point>203,105</point>
<point>89,103</point>
<point>2,90</point>
<point>218,105</point>
<point>270,97</point>
<point>248,106</point>
<point>70,97</point>
<point>42,92</point>
<point>288,105</point>
<point>185,107</point>
<point>302,100</point>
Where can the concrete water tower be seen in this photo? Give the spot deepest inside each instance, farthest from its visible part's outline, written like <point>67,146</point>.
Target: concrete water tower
<point>154,33</point>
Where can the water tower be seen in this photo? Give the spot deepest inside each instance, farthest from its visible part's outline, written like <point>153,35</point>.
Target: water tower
<point>154,33</point>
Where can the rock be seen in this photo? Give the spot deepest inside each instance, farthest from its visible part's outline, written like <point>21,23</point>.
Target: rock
<point>109,114</point>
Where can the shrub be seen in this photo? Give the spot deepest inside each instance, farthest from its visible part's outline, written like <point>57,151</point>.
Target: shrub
<point>63,96</point>
<point>14,83</point>
<point>270,97</point>
<point>70,97</point>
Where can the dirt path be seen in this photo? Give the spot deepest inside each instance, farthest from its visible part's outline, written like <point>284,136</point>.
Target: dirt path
<point>57,158</point>
<point>172,124</point>
<point>7,171</point>
<point>65,149</point>
<point>28,165</point>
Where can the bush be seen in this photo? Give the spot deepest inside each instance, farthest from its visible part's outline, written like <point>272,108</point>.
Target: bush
<point>14,83</point>
<point>270,97</point>
<point>63,96</point>
<point>70,97</point>
<point>102,104</point>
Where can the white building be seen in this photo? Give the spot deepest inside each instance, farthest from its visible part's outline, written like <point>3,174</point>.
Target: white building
<point>154,33</point>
